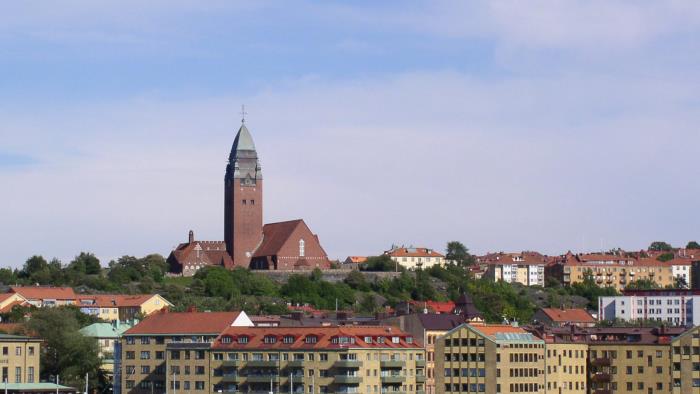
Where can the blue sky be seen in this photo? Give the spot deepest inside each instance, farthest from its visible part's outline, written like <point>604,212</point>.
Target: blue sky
<point>544,125</point>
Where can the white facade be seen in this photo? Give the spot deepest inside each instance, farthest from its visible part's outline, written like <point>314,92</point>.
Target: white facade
<point>677,309</point>
<point>526,274</point>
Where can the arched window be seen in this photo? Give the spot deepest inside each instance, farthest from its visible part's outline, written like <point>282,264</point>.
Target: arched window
<point>301,248</point>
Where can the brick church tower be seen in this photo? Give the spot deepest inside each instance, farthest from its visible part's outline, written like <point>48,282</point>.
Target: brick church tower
<point>243,217</point>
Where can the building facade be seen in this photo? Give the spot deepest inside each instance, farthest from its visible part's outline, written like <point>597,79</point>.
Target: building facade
<point>19,359</point>
<point>488,358</point>
<point>526,268</point>
<point>121,307</point>
<point>140,363</point>
<point>670,306</point>
<point>413,258</point>
<point>336,359</point>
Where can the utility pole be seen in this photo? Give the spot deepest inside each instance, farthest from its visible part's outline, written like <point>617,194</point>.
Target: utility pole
<point>57,380</point>
<point>87,375</point>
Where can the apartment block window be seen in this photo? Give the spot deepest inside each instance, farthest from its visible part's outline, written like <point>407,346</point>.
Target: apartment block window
<point>288,339</point>
<point>130,340</point>
<point>145,355</point>
<point>199,385</point>
<point>30,375</point>
<point>130,384</point>
<point>160,355</point>
<point>18,351</point>
<point>145,340</point>
<point>130,355</point>
<point>145,369</point>
<point>18,374</point>
<point>31,350</point>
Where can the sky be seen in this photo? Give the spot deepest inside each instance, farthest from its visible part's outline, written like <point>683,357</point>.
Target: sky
<point>506,125</point>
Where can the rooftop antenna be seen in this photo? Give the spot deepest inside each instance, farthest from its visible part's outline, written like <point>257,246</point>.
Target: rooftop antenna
<point>243,113</point>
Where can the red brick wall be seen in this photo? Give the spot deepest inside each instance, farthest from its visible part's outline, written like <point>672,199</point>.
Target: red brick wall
<point>314,255</point>
<point>243,222</point>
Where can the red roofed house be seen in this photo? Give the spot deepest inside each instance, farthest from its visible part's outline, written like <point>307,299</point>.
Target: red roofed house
<point>10,300</point>
<point>555,317</point>
<point>280,360</point>
<point>41,296</point>
<point>289,245</point>
<point>413,258</point>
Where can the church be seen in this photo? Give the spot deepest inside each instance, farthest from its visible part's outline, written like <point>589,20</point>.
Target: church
<point>289,245</point>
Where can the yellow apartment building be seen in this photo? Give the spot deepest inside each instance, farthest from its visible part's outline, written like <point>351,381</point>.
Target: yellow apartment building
<point>19,359</point>
<point>491,359</point>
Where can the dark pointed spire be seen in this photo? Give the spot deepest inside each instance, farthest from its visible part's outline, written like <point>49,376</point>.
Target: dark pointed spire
<point>243,160</point>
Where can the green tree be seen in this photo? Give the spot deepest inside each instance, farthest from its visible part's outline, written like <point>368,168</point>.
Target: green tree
<point>85,263</point>
<point>381,263</point>
<point>458,253</point>
<point>368,304</point>
<point>642,284</point>
<point>218,281</point>
<point>665,257</point>
<point>692,245</point>
<point>679,282</point>
<point>65,351</point>
<point>357,281</point>
<point>660,246</point>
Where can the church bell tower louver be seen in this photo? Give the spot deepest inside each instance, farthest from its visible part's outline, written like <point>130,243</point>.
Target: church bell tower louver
<point>243,203</point>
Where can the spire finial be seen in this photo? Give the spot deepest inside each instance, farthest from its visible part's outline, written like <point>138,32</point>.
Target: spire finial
<point>243,113</point>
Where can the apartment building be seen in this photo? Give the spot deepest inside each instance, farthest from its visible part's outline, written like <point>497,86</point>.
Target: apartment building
<point>616,359</point>
<point>685,359</point>
<point>10,300</point>
<point>680,307</point>
<point>413,258</point>
<point>19,359</point>
<point>356,359</point>
<point>612,270</point>
<point>140,357</point>
<point>489,358</point>
<point>527,268</point>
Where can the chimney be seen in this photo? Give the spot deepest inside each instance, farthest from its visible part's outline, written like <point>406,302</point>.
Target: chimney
<point>191,237</point>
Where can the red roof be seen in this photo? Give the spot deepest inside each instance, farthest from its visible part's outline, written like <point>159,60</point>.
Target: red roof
<point>324,337</point>
<point>275,235</point>
<point>184,323</point>
<point>437,306</point>
<point>413,252</point>
<point>356,259</point>
<point>44,292</point>
<point>568,315</point>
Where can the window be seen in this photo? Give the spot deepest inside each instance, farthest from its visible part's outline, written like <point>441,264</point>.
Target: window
<point>270,339</point>
<point>395,339</point>
<point>311,339</point>
<point>243,339</point>
<point>288,339</point>
<point>130,355</point>
<point>199,385</point>
<point>31,350</point>
<point>145,369</point>
<point>30,375</point>
<point>145,340</point>
<point>301,248</point>
<point>244,202</point>
<point>145,355</point>
<point>160,355</point>
<point>18,374</point>
<point>18,351</point>
<point>226,339</point>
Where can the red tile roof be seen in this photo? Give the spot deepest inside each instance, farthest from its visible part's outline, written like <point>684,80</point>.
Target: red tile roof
<point>184,323</point>
<point>8,308</point>
<point>568,315</point>
<point>44,292</point>
<point>274,237</point>
<point>436,306</point>
<point>324,337</point>
<point>413,252</point>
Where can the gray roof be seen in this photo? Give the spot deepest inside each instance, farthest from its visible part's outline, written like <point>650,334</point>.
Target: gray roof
<point>243,141</point>
<point>440,321</point>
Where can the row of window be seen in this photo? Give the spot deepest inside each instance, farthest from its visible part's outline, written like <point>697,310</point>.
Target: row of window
<point>18,350</point>
<point>18,374</point>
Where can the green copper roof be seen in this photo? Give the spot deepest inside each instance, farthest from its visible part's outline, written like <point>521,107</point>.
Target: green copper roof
<point>104,330</point>
<point>243,141</point>
<point>8,337</point>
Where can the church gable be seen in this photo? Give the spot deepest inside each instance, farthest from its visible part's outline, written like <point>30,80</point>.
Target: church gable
<point>289,246</point>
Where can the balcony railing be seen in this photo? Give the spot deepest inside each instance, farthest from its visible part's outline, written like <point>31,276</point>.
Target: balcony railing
<point>348,363</point>
<point>393,379</point>
<point>389,363</point>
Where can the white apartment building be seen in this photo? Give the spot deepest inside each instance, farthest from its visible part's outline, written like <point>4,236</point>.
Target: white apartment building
<point>672,306</point>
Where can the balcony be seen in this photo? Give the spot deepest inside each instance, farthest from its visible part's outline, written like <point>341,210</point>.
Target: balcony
<point>602,391</point>
<point>392,363</point>
<point>601,377</point>
<point>348,364</point>
<point>295,363</point>
<point>393,379</point>
<point>420,363</point>
<point>420,378</point>
<point>262,363</point>
<point>232,363</point>
<point>347,379</point>
<point>601,362</point>
<point>261,378</point>
<point>232,378</point>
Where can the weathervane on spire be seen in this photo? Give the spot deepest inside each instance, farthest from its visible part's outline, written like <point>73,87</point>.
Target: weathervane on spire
<point>243,113</point>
